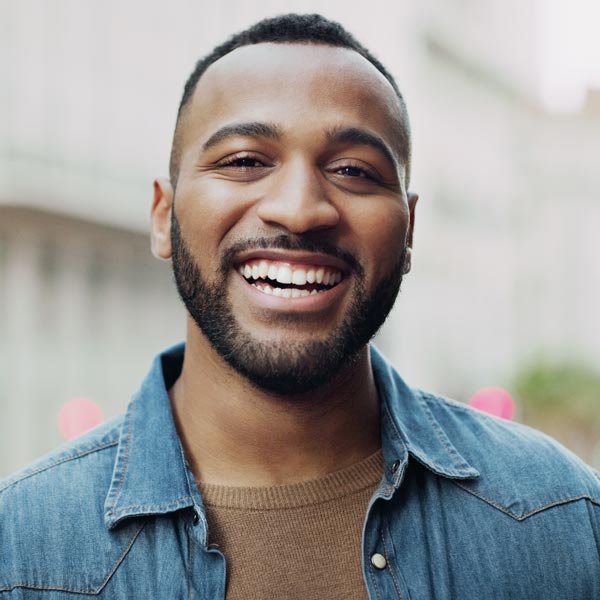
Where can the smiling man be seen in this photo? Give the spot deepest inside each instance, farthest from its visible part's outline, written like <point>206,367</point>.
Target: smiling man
<point>276,454</point>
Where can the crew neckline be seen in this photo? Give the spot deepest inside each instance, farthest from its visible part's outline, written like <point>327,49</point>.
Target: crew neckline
<point>352,479</point>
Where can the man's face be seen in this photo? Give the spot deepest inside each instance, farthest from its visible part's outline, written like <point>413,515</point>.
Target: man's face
<point>291,218</point>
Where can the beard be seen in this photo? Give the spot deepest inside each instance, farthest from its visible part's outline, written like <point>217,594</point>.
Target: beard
<point>286,368</point>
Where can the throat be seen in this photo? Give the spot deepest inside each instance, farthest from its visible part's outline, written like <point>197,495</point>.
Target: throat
<point>231,441</point>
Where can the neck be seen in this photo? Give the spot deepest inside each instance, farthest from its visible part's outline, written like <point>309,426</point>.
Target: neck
<point>235,434</point>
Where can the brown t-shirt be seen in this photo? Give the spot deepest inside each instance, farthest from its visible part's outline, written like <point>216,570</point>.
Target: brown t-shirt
<point>300,541</point>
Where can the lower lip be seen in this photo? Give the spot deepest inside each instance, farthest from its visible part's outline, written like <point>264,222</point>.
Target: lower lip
<point>312,302</point>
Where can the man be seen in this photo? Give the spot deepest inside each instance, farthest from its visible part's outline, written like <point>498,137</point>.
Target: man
<point>277,455</point>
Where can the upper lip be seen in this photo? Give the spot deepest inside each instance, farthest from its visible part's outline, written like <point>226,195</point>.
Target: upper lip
<point>292,256</point>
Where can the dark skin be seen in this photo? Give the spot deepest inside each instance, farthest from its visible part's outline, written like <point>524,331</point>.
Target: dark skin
<point>290,171</point>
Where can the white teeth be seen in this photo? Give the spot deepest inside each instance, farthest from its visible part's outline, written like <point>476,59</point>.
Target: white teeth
<point>263,269</point>
<point>284,275</point>
<point>296,293</point>
<point>314,292</point>
<point>283,292</point>
<point>299,277</point>
<point>265,289</point>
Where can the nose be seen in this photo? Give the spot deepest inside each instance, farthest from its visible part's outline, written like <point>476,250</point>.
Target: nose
<point>297,200</point>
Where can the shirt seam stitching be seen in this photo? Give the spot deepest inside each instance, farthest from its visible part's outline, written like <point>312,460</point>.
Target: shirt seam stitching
<point>111,510</point>
<point>153,506</point>
<point>389,563</point>
<point>394,426</point>
<point>374,580</point>
<point>189,569</point>
<point>89,592</point>
<point>531,512</point>
<point>433,464</point>
<point>58,462</point>
<point>460,465</point>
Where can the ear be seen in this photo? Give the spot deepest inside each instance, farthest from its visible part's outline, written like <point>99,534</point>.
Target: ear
<point>160,218</point>
<point>412,203</point>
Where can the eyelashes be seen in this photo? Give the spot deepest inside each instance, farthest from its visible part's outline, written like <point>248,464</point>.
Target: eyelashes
<point>243,160</point>
<point>348,168</point>
<point>246,162</point>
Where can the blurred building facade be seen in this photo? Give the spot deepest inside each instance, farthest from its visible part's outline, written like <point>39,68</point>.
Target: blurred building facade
<point>505,246</point>
<point>84,309</point>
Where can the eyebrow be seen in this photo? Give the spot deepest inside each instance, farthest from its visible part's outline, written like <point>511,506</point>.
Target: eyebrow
<point>337,135</point>
<point>361,137</point>
<point>255,129</point>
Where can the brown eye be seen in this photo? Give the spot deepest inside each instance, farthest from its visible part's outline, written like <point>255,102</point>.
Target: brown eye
<point>244,162</point>
<point>243,166</point>
<point>350,171</point>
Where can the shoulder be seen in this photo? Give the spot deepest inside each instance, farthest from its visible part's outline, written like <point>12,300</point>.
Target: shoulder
<point>46,503</point>
<point>62,468</point>
<point>522,470</point>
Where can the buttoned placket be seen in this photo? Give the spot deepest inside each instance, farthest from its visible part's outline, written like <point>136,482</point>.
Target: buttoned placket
<point>382,577</point>
<point>206,568</point>
<point>404,433</point>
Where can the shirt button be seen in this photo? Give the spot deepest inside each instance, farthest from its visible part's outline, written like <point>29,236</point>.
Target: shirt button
<point>195,518</point>
<point>394,466</point>
<point>378,561</point>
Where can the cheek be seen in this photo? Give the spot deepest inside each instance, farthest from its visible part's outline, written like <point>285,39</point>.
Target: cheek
<point>207,211</point>
<point>382,237</point>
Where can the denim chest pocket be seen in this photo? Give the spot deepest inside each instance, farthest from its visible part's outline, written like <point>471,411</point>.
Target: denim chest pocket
<point>66,564</point>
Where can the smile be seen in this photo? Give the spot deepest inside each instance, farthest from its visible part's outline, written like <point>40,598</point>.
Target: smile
<point>289,280</point>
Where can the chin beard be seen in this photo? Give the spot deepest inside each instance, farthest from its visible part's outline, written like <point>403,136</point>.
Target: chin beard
<point>285,368</point>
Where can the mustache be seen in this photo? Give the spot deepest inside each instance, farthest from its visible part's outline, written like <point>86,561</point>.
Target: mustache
<point>287,242</point>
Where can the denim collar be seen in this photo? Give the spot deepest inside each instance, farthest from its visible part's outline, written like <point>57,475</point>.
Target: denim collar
<point>408,427</point>
<point>151,475</point>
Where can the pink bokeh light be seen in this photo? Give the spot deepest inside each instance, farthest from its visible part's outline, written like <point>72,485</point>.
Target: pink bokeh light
<point>78,416</point>
<point>494,401</point>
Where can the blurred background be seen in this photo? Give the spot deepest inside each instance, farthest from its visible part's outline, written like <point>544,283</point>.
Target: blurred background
<point>505,106</point>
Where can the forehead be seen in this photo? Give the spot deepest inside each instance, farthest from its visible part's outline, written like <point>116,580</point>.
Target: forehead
<point>298,86</point>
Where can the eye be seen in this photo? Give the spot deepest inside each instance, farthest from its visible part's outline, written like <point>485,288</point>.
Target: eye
<point>243,166</point>
<point>352,171</point>
<point>242,162</point>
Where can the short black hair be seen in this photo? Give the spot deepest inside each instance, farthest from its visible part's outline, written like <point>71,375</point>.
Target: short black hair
<point>289,28</point>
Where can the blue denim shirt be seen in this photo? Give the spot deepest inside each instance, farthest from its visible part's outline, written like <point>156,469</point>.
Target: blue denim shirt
<point>469,507</point>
